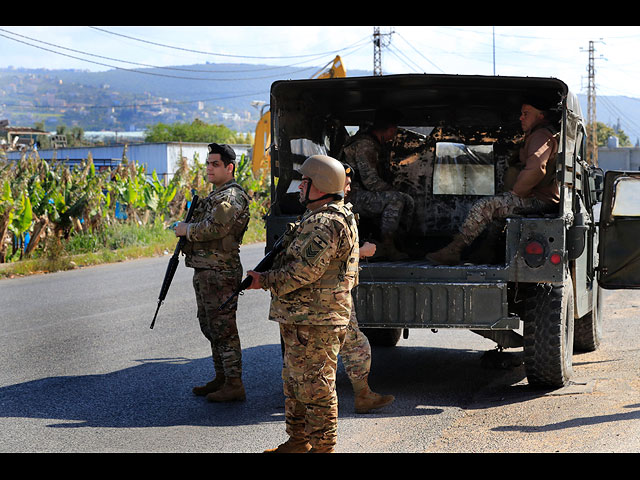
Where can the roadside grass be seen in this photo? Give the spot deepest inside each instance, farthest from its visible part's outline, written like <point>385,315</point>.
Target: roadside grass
<point>116,243</point>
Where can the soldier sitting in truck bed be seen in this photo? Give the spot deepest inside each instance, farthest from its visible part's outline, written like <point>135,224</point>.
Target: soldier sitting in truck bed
<point>371,196</point>
<point>535,189</point>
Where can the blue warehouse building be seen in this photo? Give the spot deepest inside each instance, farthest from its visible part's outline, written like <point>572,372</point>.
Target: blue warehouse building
<point>161,157</point>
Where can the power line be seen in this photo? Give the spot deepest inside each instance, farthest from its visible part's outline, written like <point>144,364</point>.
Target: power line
<point>404,59</point>
<point>134,105</point>
<point>218,54</point>
<point>612,108</point>
<point>143,72</point>
<point>419,53</point>
<point>316,55</point>
<point>154,66</point>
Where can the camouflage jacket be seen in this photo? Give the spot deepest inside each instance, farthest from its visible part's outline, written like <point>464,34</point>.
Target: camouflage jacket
<point>215,233</point>
<point>363,152</point>
<point>312,277</point>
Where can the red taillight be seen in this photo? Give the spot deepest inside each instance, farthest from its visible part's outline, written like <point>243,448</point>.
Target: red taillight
<point>534,248</point>
<point>555,258</point>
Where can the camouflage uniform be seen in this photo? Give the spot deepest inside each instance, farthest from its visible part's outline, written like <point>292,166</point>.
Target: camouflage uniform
<point>356,352</point>
<point>311,282</point>
<point>213,251</point>
<point>371,195</point>
<point>535,189</point>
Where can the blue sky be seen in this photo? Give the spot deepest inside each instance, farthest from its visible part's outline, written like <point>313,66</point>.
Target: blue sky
<point>545,51</point>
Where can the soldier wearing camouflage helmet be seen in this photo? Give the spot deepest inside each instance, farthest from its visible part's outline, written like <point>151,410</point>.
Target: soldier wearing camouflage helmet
<point>212,249</point>
<point>310,282</point>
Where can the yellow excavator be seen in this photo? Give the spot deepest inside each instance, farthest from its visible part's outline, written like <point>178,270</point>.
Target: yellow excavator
<point>261,159</point>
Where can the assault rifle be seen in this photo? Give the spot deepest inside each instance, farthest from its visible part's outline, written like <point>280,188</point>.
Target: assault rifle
<point>264,265</point>
<point>173,262</point>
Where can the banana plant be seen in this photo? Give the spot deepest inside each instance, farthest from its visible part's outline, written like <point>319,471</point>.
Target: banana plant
<point>22,219</point>
<point>6,215</point>
<point>157,196</point>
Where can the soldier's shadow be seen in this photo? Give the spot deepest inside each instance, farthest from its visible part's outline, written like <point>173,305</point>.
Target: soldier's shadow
<point>153,393</point>
<point>157,392</point>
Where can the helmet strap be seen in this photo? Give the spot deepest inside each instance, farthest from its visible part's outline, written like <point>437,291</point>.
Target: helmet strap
<point>306,200</point>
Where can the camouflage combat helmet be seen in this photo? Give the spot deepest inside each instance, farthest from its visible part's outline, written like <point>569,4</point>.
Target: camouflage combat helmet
<point>326,173</point>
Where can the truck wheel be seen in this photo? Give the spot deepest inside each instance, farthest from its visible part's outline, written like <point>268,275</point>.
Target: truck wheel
<point>382,337</point>
<point>548,335</point>
<point>588,329</point>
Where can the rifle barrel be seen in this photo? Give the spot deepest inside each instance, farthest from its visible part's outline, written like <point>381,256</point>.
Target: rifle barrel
<point>173,263</point>
<point>154,317</point>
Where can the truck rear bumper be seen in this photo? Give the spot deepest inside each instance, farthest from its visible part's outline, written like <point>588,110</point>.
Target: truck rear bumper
<point>434,305</point>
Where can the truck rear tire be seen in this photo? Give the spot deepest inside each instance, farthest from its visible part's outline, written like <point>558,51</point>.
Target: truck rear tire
<point>382,337</point>
<point>588,329</point>
<point>548,335</point>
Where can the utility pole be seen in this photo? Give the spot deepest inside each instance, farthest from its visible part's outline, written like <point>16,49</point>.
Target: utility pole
<point>494,50</point>
<point>592,139</point>
<point>379,40</point>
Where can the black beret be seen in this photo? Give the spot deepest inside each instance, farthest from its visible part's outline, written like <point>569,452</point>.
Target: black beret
<point>539,102</point>
<point>385,117</point>
<point>224,150</point>
<point>348,169</point>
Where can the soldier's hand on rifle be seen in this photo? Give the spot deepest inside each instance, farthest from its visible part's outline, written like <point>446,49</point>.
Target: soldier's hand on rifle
<point>180,229</point>
<point>256,280</point>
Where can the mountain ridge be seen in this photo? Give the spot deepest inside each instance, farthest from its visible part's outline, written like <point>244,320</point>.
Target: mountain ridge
<point>223,93</point>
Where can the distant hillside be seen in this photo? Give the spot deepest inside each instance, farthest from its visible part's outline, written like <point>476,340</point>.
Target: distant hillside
<point>225,91</point>
<point>617,111</point>
<point>233,86</point>
<point>215,93</point>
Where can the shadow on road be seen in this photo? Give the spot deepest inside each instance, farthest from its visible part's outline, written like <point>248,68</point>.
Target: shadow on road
<point>156,392</point>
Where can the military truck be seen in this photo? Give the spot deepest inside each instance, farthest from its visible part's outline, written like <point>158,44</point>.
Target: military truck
<point>529,281</point>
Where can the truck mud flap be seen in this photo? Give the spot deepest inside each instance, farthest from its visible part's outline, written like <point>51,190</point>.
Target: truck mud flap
<point>434,305</point>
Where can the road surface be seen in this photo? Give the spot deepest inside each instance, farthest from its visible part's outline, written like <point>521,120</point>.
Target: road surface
<point>83,372</point>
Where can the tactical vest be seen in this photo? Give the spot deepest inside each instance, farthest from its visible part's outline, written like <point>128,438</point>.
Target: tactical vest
<point>328,299</point>
<point>550,174</point>
<point>223,252</point>
<point>346,155</point>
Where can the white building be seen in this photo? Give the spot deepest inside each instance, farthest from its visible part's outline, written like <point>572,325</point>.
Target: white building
<point>161,157</point>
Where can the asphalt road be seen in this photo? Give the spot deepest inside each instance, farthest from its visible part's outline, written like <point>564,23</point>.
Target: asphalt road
<point>83,372</point>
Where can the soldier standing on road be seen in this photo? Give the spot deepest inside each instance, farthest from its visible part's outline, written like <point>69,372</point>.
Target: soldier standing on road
<point>213,250</point>
<point>356,351</point>
<point>310,282</point>
<point>535,189</point>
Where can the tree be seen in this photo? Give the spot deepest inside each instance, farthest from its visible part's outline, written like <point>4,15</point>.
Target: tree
<point>196,131</point>
<point>604,131</point>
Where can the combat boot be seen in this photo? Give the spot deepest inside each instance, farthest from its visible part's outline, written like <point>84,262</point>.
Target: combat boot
<point>449,255</point>
<point>232,390</point>
<point>323,449</point>
<point>366,400</point>
<point>210,387</point>
<point>293,445</point>
<point>390,252</point>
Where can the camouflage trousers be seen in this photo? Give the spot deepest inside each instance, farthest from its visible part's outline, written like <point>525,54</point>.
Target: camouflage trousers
<point>497,207</point>
<point>309,377</point>
<point>212,288</point>
<point>356,351</point>
<point>395,209</point>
